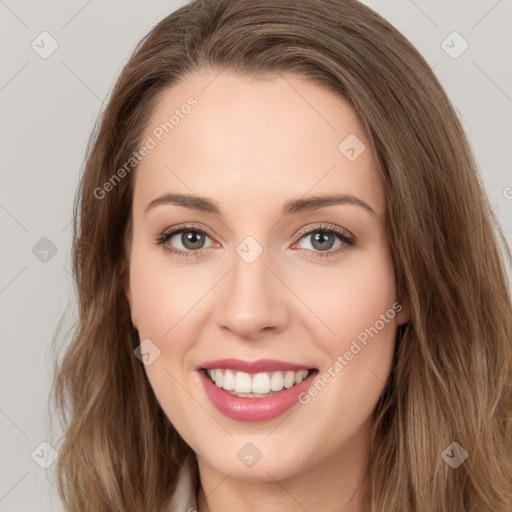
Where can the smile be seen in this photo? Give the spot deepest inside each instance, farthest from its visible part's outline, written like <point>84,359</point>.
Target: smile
<point>254,390</point>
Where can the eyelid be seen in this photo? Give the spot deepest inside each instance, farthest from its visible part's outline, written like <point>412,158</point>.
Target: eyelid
<point>192,226</point>
<point>327,227</point>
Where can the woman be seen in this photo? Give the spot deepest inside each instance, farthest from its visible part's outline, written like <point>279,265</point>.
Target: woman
<point>291,291</point>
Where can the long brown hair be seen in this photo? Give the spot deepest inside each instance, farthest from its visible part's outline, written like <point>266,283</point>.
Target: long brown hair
<point>451,379</point>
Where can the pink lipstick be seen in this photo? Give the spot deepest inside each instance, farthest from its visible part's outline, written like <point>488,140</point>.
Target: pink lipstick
<point>254,390</point>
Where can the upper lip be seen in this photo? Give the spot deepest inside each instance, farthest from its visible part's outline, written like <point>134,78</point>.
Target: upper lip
<point>259,365</point>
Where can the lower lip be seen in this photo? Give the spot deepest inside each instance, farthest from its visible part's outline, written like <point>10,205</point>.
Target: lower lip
<point>254,409</point>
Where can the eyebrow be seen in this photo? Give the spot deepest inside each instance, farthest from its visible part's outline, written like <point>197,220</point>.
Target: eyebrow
<point>207,205</point>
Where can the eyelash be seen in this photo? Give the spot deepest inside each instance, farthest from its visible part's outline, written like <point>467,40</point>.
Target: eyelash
<point>342,236</point>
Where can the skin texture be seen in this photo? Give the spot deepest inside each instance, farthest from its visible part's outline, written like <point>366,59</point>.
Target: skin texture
<point>251,145</point>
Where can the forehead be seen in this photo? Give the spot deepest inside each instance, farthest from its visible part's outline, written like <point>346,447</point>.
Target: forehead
<point>255,142</point>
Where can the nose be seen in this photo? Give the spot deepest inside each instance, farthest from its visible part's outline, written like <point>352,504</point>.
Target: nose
<point>254,300</point>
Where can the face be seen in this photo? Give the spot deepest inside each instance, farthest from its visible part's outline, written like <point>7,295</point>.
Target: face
<point>290,304</point>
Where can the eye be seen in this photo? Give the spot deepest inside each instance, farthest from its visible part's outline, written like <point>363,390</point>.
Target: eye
<point>191,238</point>
<point>323,239</point>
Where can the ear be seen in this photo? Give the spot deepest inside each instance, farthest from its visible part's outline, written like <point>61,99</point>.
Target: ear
<point>128,292</point>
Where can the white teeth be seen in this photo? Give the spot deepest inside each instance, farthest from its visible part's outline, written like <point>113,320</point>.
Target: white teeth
<point>256,384</point>
<point>300,376</point>
<point>289,379</point>
<point>229,380</point>
<point>261,383</point>
<point>242,382</point>
<point>276,382</point>
<point>218,378</point>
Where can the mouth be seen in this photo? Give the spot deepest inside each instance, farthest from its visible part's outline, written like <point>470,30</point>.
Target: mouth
<point>244,391</point>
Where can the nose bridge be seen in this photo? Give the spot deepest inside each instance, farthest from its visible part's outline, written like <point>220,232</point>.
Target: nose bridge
<point>252,299</point>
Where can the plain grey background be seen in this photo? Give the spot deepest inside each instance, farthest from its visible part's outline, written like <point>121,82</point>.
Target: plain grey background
<point>49,103</point>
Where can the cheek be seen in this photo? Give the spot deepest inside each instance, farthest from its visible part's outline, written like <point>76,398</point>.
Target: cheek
<point>162,295</point>
<point>368,294</point>
<point>163,302</point>
<point>351,300</point>
<point>359,356</point>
